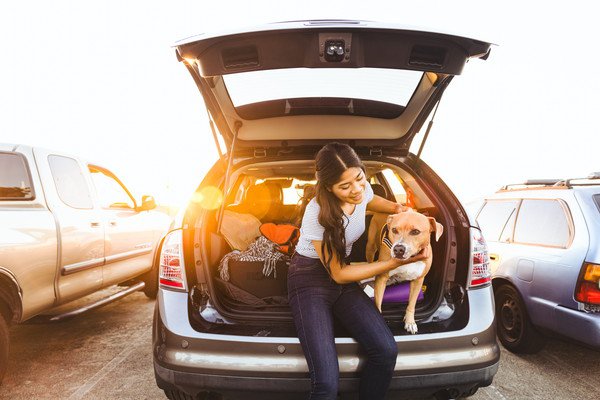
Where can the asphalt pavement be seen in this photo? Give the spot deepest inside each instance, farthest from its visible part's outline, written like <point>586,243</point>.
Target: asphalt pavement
<point>107,354</point>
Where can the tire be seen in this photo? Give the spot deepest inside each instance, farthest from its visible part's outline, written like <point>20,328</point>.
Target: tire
<point>515,330</point>
<point>470,392</point>
<point>150,279</point>
<point>179,395</point>
<point>3,347</point>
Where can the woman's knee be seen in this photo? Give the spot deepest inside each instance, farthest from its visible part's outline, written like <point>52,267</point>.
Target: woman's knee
<point>325,389</point>
<point>385,353</point>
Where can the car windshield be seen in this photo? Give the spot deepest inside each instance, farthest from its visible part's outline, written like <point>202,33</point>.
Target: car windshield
<point>376,84</point>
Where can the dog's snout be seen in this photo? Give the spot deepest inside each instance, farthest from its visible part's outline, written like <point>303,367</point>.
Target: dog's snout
<point>399,250</point>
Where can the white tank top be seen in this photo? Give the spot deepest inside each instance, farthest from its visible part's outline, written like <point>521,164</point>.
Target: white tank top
<point>311,229</point>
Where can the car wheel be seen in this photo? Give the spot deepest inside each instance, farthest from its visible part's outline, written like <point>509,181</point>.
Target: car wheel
<point>515,330</point>
<point>3,347</point>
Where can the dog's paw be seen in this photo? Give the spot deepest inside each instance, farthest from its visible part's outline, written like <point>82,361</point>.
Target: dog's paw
<point>410,327</point>
<point>409,323</point>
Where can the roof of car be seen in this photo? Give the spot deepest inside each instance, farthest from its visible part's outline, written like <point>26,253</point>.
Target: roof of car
<point>592,179</point>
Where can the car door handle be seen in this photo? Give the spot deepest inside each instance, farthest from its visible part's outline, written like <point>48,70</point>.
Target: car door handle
<point>95,224</point>
<point>494,257</point>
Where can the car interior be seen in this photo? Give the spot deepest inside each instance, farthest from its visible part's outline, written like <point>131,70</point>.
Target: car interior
<point>278,193</point>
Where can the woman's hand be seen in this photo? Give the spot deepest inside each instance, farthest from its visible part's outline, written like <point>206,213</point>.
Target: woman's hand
<point>400,208</point>
<point>381,205</point>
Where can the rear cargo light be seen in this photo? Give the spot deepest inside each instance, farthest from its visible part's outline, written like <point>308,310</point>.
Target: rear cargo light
<point>479,271</point>
<point>587,290</point>
<point>171,271</point>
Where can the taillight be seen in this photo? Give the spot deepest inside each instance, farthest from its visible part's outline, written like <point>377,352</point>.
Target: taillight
<point>171,270</point>
<point>587,290</point>
<point>479,271</point>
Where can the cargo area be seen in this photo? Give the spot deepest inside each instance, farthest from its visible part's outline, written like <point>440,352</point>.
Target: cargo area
<point>250,293</point>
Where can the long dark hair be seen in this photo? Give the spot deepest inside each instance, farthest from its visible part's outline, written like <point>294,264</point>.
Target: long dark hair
<point>331,162</point>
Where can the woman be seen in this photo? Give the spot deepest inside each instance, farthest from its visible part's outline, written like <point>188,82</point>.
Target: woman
<point>322,285</point>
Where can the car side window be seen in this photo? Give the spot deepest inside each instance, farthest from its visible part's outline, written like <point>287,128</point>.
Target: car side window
<point>596,198</point>
<point>70,182</point>
<point>506,235</point>
<point>395,185</point>
<point>110,192</point>
<point>15,180</point>
<point>543,222</point>
<point>495,219</point>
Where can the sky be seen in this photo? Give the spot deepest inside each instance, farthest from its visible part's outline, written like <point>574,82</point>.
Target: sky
<point>99,79</point>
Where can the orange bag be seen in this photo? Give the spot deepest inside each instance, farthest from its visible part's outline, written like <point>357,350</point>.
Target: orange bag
<point>284,235</point>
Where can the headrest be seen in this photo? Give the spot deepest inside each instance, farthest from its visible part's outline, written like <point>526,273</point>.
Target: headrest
<point>258,199</point>
<point>379,190</point>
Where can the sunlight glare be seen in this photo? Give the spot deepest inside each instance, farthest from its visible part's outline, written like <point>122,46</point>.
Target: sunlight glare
<point>209,198</point>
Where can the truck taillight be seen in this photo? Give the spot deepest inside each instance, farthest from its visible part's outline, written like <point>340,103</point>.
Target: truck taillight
<point>479,268</point>
<point>587,290</point>
<point>171,270</point>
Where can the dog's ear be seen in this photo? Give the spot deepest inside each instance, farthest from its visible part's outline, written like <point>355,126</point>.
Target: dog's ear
<point>389,218</point>
<point>436,227</point>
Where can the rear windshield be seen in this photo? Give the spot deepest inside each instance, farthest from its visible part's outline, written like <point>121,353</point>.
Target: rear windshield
<point>334,87</point>
<point>15,180</point>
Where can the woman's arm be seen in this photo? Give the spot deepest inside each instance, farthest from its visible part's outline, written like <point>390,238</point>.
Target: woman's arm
<point>379,204</point>
<point>342,273</point>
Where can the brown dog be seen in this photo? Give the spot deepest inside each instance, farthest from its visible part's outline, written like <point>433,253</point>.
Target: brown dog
<point>402,236</point>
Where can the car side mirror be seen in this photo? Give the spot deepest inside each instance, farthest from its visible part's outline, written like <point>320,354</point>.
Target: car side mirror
<point>148,203</point>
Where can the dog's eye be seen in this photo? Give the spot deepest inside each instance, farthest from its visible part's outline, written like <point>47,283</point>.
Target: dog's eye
<point>394,231</point>
<point>415,232</point>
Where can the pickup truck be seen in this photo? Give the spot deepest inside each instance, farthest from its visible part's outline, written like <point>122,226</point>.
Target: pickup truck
<point>68,228</point>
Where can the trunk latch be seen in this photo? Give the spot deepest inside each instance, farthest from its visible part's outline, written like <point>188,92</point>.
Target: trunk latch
<point>376,152</point>
<point>262,152</point>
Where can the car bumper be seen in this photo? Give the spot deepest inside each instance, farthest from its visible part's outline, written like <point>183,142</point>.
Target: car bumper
<point>578,325</point>
<point>253,387</point>
<point>192,361</point>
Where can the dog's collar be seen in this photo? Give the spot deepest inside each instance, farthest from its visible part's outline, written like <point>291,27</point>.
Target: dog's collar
<point>384,237</point>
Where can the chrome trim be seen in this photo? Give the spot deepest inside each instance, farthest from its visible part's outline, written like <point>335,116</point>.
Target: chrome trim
<point>81,266</point>
<point>128,254</point>
<point>99,303</point>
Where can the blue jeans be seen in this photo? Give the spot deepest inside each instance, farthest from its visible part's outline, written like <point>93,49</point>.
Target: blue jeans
<point>315,299</point>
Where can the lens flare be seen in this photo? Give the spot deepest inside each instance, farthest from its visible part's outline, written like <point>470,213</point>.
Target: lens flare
<point>209,197</point>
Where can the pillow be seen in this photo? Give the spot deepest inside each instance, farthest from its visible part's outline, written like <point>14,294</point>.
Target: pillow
<point>239,229</point>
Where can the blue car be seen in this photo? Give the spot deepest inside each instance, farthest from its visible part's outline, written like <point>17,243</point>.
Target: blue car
<point>544,248</point>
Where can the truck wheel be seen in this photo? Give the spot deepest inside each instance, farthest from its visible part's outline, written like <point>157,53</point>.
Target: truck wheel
<point>3,347</point>
<point>515,330</point>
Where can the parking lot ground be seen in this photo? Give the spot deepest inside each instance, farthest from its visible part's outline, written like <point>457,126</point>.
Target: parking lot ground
<point>107,354</point>
<point>103,354</point>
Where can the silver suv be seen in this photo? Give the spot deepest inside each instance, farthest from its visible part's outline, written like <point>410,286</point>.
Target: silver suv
<point>275,95</point>
<point>544,240</point>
